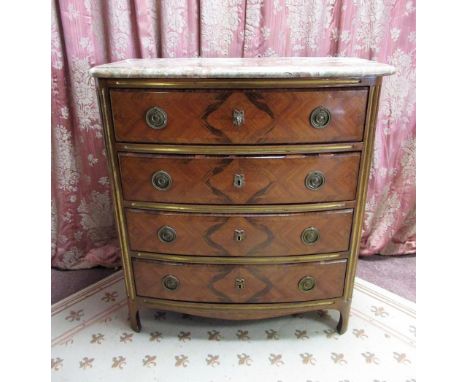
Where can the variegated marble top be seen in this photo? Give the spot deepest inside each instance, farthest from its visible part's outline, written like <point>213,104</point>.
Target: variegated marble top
<point>265,67</point>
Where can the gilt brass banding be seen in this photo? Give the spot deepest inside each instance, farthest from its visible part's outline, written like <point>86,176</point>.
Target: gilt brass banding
<point>238,260</point>
<point>117,191</point>
<point>236,149</point>
<point>232,83</point>
<point>369,133</point>
<point>156,302</point>
<point>239,209</point>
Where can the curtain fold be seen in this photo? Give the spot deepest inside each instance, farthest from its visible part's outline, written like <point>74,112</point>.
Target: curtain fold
<point>88,33</point>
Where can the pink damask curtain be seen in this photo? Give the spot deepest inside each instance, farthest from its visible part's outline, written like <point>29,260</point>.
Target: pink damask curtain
<point>91,32</point>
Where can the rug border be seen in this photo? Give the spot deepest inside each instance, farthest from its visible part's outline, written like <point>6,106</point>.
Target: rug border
<point>86,292</point>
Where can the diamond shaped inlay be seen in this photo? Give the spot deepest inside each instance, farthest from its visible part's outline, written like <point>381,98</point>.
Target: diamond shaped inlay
<point>226,285</point>
<point>257,116</point>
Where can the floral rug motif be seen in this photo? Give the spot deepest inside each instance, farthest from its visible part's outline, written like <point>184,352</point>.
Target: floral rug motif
<point>92,341</point>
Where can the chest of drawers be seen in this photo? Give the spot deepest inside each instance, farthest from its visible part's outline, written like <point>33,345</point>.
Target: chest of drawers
<point>239,184</point>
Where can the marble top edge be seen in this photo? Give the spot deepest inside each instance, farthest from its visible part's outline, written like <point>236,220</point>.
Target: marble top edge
<point>265,67</point>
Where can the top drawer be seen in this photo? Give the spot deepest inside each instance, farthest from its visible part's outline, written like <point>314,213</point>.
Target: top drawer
<point>239,117</point>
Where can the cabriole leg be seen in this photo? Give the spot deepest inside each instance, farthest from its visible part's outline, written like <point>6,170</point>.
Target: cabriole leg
<point>344,317</point>
<point>134,316</point>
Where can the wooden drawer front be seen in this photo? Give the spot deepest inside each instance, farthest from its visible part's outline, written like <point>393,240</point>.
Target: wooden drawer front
<point>238,283</point>
<point>240,180</point>
<point>240,235</point>
<point>206,117</point>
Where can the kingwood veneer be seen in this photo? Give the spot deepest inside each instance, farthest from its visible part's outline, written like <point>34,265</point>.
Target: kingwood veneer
<point>239,184</point>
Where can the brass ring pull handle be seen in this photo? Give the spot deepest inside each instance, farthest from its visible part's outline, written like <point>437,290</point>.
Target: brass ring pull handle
<point>320,117</point>
<point>306,284</point>
<point>239,235</point>
<point>167,234</point>
<point>156,118</point>
<point>238,117</point>
<point>170,282</point>
<point>161,180</point>
<point>314,180</point>
<point>310,235</point>
<point>239,180</point>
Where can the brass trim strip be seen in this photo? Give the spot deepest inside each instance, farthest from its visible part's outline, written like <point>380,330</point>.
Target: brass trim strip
<point>236,150</point>
<point>239,209</point>
<point>238,260</point>
<point>156,302</point>
<point>230,83</point>
<point>366,161</point>
<point>117,192</point>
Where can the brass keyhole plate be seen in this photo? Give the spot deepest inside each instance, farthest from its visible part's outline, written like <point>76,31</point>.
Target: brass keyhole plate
<point>239,180</point>
<point>239,234</point>
<point>240,283</point>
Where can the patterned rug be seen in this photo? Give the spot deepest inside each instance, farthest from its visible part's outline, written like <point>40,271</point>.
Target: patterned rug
<point>92,341</point>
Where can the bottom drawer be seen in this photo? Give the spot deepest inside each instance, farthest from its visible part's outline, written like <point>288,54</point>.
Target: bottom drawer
<point>239,283</point>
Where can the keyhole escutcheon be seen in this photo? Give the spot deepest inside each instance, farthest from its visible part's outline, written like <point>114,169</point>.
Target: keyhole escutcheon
<point>239,234</point>
<point>239,180</point>
<point>240,283</point>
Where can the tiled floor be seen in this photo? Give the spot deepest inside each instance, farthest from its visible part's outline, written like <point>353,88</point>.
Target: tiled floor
<point>395,273</point>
